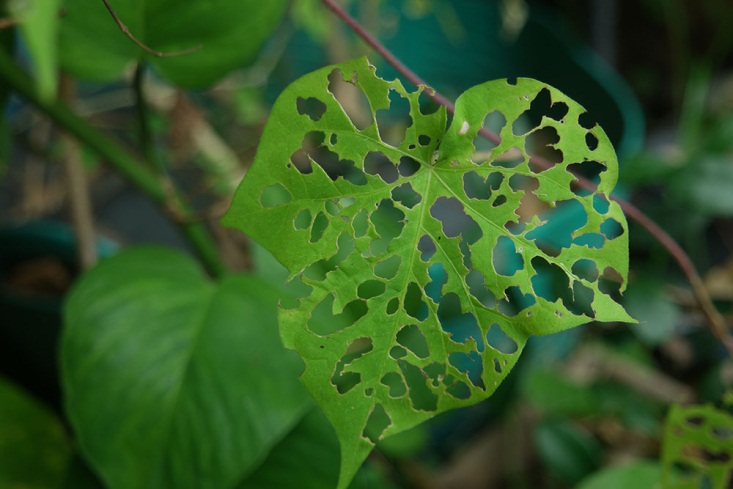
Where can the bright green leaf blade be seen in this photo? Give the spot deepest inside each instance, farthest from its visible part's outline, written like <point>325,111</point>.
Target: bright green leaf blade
<point>418,253</point>
<point>697,450</point>
<point>39,21</point>
<point>230,33</point>
<point>174,381</point>
<point>637,475</point>
<point>34,449</point>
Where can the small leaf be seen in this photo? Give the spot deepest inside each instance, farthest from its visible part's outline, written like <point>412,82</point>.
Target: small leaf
<point>426,251</point>
<point>34,449</point>
<point>172,380</point>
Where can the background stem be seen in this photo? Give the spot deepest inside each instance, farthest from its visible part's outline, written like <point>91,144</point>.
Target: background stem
<point>117,157</point>
<point>716,321</point>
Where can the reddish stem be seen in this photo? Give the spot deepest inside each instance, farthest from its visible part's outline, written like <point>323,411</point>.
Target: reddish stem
<point>714,318</point>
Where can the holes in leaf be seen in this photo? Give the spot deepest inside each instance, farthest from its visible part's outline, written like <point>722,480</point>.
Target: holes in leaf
<point>477,188</point>
<point>388,268</point>
<point>541,105</point>
<point>505,258</point>
<point>461,327</point>
<point>360,223</point>
<point>377,422</point>
<point>591,141</point>
<point>408,166</point>
<point>424,140</point>
<point>497,365</point>
<point>459,390</point>
<point>500,341</point>
<point>371,288</point>
<point>585,269</point>
<point>324,321</point>
<point>376,163</point>
<point>581,300</point>
<point>345,381</point>
<point>541,142</point>
<point>303,220</point>
<point>388,221</point>
<point>470,364</point>
<point>414,304</point>
<point>509,159</point>
<point>435,372</point>
<point>312,107</point>
<point>275,195</point>
<point>494,122</point>
<point>610,282</point>
<point>318,270</point>
<point>550,282</point>
<point>551,237</point>
<point>421,397</point>
<point>515,302</point>
<point>427,105</point>
<point>397,352</point>
<point>295,290</point>
<point>499,201</point>
<point>405,195</point>
<point>313,150</point>
<point>351,98</point>
<point>611,229</point>
<point>600,203</point>
<point>438,278</point>
<point>477,287</point>
<point>591,240</point>
<point>394,381</point>
<point>588,169</point>
<point>586,120</point>
<point>412,338</point>
<point>526,183</point>
<point>332,208</point>
<point>320,223</point>
<point>449,211</point>
<point>393,123</point>
<point>392,306</point>
<point>426,247</point>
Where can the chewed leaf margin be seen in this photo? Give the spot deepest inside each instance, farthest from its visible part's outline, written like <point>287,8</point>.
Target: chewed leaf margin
<point>424,261</point>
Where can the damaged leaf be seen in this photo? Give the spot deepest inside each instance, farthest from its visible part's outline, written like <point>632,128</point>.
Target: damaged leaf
<point>421,252</point>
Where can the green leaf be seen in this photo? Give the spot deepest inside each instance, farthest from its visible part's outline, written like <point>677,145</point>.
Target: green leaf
<point>34,449</point>
<point>230,33</point>
<point>636,475</point>
<point>172,380</point>
<point>647,300</point>
<point>704,185</point>
<point>307,458</point>
<point>418,250</point>
<point>39,20</point>
<point>569,452</point>
<point>697,450</point>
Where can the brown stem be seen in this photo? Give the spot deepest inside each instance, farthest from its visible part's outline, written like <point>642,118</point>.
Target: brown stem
<point>78,190</point>
<point>126,31</point>
<point>714,318</point>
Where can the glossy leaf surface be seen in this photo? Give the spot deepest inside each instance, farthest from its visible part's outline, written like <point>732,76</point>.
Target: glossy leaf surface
<point>230,33</point>
<point>172,380</point>
<point>423,246</point>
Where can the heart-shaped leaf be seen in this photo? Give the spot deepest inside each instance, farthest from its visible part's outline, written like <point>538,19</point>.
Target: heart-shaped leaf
<point>172,380</point>
<point>228,32</point>
<point>428,255</point>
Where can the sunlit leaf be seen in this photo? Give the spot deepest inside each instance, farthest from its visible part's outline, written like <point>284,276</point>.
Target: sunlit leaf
<point>423,244</point>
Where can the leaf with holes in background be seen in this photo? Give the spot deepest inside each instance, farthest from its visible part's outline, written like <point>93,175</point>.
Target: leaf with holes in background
<point>419,252</point>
